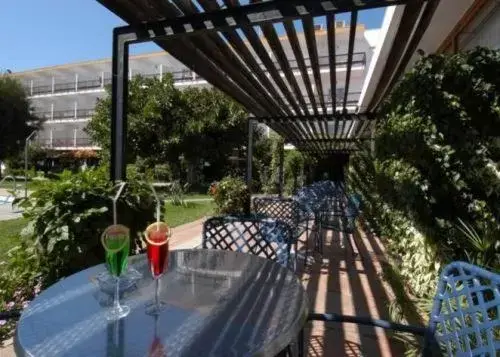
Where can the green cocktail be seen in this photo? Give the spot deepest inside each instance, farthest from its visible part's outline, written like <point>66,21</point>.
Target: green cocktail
<point>116,241</point>
<point>117,255</point>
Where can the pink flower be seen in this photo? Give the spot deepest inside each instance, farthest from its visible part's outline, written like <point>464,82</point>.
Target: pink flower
<point>25,304</point>
<point>3,322</point>
<point>10,305</point>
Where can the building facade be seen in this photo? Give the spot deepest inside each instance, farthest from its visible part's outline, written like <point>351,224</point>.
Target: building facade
<point>66,95</point>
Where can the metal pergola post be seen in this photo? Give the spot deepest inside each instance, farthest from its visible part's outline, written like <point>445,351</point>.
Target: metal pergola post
<point>119,99</point>
<point>281,171</point>
<point>251,124</point>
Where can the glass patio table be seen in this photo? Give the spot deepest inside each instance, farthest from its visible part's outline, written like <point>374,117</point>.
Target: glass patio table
<point>218,303</point>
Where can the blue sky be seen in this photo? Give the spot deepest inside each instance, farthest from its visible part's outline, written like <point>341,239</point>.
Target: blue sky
<point>38,33</point>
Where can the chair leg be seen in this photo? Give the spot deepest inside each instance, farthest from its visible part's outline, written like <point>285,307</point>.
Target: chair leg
<point>306,255</point>
<point>283,353</point>
<point>296,255</point>
<point>320,239</point>
<point>287,352</point>
<point>300,344</point>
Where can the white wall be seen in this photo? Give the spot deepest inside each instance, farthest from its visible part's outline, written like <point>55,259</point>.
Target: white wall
<point>485,31</point>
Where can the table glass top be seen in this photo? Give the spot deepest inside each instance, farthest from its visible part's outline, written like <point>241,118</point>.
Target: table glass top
<point>219,303</point>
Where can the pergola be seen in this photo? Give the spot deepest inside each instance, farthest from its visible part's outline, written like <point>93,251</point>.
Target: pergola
<point>235,45</point>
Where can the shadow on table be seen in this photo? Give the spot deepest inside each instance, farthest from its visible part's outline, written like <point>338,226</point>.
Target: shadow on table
<point>249,316</point>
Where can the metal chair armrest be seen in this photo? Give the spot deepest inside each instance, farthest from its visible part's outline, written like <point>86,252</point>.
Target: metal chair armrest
<point>361,320</point>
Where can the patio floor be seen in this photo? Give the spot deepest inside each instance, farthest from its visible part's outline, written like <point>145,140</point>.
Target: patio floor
<point>348,280</point>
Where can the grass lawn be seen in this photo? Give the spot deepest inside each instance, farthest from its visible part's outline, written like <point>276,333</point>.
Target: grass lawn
<point>177,215</point>
<point>32,185</point>
<point>9,231</point>
<point>190,196</point>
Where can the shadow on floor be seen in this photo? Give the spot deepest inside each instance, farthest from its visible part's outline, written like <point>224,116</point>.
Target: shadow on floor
<point>348,279</point>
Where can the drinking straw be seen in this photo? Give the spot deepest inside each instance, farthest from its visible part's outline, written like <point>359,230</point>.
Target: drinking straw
<point>115,199</point>
<point>158,207</point>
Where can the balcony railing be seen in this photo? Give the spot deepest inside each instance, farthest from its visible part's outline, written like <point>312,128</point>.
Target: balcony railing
<point>179,76</point>
<point>69,114</point>
<point>352,99</point>
<point>56,143</point>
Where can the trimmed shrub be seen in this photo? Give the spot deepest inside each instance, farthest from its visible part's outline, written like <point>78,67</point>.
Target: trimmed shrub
<point>67,217</point>
<point>231,196</point>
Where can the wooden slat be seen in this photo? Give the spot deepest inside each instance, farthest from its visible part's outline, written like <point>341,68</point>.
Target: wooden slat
<point>240,48</point>
<point>330,25</point>
<point>185,52</point>
<point>299,57</point>
<point>279,53</point>
<point>212,46</point>
<point>352,37</point>
<point>260,50</point>
<point>312,48</point>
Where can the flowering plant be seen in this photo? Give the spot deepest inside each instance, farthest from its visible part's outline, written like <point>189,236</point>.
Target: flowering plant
<point>231,195</point>
<point>20,282</point>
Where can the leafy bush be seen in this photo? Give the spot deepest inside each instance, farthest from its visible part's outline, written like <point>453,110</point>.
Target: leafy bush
<point>483,250</point>
<point>68,217</point>
<point>163,173</point>
<point>141,172</point>
<point>438,148</point>
<point>272,185</point>
<point>231,195</point>
<point>293,167</point>
<point>20,282</point>
<point>177,191</point>
<point>435,167</point>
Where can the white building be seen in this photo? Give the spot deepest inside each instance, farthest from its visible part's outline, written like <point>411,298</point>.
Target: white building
<point>456,25</point>
<point>66,94</point>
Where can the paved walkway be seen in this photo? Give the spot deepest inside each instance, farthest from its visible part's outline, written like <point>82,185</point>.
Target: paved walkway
<point>6,211</point>
<point>346,280</point>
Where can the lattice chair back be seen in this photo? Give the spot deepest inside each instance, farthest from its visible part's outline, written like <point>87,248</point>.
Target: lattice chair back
<point>284,209</point>
<point>465,318</point>
<point>310,198</point>
<point>265,237</point>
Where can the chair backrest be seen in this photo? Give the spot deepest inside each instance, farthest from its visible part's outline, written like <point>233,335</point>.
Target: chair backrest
<point>284,209</point>
<point>265,237</point>
<point>313,196</point>
<point>465,318</point>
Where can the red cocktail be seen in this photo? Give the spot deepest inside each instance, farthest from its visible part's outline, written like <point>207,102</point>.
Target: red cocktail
<point>157,252</point>
<point>157,236</point>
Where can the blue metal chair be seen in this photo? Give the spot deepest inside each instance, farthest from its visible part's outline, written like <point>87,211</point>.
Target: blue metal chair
<point>465,318</point>
<point>289,211</point>
<point>338,213</point>
<point>265,237</point>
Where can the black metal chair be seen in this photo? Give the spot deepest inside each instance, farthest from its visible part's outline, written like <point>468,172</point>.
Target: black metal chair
<point>265,237</point>
<point>289,211</point>
<point>465,317</point>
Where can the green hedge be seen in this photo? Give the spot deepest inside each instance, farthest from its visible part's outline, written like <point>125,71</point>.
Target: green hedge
<point>431,189</point>
<point>67,217</point>
<point>438,152</point>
